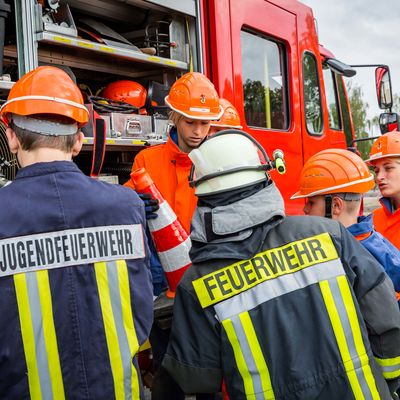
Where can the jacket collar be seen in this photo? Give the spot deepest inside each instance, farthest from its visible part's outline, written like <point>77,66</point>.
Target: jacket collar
<point>236,231</point>
<point>387,206</point>
<point>174,152</point>
<point>364,225</point>
<point>236,221</point>
<point>44,168</point>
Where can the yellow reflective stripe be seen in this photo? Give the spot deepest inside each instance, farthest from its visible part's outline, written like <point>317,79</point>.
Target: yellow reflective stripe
<point>391,375</point>
<point>390,367</point>
<point>257,355</point>
<point>28,339</point>
<point>241,276</point>
<point>49,332</point>
<point>388,362</point>
<point>341,339</point>
<point>110,329</point>
<point>123,279</point>
<point>240,361</point>
<point>356,331</point>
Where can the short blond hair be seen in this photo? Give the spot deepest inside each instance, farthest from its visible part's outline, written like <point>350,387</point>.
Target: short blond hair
<point>175,117</point>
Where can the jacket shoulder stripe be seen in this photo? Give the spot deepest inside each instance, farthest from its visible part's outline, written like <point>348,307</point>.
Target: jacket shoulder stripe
<point>121,350</point>
<point>38,335</point>
<point>344,321</point>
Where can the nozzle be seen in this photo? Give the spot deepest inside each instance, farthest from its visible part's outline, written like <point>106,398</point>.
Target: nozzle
<point>279,162</point>
<point>280,166</point>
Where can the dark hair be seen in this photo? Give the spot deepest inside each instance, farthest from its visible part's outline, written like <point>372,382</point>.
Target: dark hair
<point>352,200</point>
<point>31,140</point>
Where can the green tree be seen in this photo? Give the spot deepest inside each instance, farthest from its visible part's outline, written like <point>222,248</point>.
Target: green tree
<point>359,110</point>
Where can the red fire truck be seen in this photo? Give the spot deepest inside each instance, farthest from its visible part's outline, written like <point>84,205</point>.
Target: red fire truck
<point>263,56</point>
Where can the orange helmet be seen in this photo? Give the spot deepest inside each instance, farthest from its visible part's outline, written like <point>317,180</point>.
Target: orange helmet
<point>334,171</point>
<point>194,96</point>
<point>388,145</point>
<point>46,90</point>
<point>127,91</point>
<point>230,118</point>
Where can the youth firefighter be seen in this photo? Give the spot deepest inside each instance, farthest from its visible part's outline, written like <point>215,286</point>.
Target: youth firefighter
<point>230,118</point>
<point>76,296</point>
<point>273,305</point>
<point>194,104</point>
<point>385,160</point>
<point>333,182</point>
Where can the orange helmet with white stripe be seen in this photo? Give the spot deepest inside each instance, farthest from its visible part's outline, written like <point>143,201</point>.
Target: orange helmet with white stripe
<point>46,90</point>
<point>194,96</point>
<point>388,145</point>
<point>334,171</point>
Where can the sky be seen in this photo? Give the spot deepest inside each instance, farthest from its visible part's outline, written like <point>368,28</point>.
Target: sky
<point>362,32</point>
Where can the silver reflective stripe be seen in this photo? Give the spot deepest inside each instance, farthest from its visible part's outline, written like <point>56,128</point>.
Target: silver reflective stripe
<point>344,319</point>
<point>70,247</point>
<point>390,369</point>
<point>248,357</point>
<point>38,333</point>
<point>177,257</point>
<point>165,217</point>
<point>277,287</point>
<point>390,366</point>
<point>116,305</point>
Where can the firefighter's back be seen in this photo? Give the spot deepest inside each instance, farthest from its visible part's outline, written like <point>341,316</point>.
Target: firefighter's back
<point>72,262</point>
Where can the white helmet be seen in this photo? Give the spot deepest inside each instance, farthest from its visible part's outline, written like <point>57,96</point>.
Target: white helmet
<point>228,160</point>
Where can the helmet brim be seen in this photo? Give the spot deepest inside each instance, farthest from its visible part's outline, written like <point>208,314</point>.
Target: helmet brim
<point>372,159</point>
<point>199,115</point>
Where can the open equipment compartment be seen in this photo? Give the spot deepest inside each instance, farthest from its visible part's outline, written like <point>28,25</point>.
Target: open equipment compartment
<point>98,42</point>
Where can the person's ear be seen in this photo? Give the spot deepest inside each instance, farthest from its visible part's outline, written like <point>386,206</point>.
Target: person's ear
<point>13,142</point>
<point>77,147</point>
<point>337,205</point>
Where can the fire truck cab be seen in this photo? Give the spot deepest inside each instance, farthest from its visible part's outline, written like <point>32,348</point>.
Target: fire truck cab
<point>263,56</point>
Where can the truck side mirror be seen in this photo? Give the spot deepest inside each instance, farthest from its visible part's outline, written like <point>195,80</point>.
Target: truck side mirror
<point>340,67</point>
<point>383,87</point>
<point>388,122</point>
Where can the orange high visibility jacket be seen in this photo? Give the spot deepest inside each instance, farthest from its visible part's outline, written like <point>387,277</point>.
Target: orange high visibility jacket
<point>169,168</point>
<point>387,222</point>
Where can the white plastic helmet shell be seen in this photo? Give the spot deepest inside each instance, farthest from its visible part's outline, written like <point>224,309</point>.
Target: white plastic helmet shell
<point>224,153</point>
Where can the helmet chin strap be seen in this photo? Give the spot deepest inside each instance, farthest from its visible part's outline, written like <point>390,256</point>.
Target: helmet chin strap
<point>328,206</point>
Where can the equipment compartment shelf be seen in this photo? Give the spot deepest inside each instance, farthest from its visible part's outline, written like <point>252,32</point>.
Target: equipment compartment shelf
<point>113,51</point>
<point>118,144</point>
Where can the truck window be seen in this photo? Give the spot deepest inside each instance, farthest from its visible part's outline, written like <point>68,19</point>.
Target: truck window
<point>345,112</point>
<point>264,82</point>
<point>312,95</point>
<point>332,99</point>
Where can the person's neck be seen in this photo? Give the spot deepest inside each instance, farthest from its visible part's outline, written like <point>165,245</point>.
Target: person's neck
<point>395,202</point>
<point>348,220</point>
<point>44,154</point>
<point>183,147</point>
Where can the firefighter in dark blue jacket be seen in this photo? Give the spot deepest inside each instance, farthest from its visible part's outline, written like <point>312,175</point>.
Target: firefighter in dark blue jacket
<point>76,293</point>
<point>288,308</point>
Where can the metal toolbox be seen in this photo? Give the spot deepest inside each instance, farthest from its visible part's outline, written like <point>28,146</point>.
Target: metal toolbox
<point>161,126</point>
<point>131,126</point>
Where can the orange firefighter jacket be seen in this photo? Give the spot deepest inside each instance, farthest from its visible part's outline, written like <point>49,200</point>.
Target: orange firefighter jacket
<point>387,222</point>
<point>169,168</point>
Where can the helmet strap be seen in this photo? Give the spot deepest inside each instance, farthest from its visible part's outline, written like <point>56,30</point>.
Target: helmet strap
<point>328,206</point>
